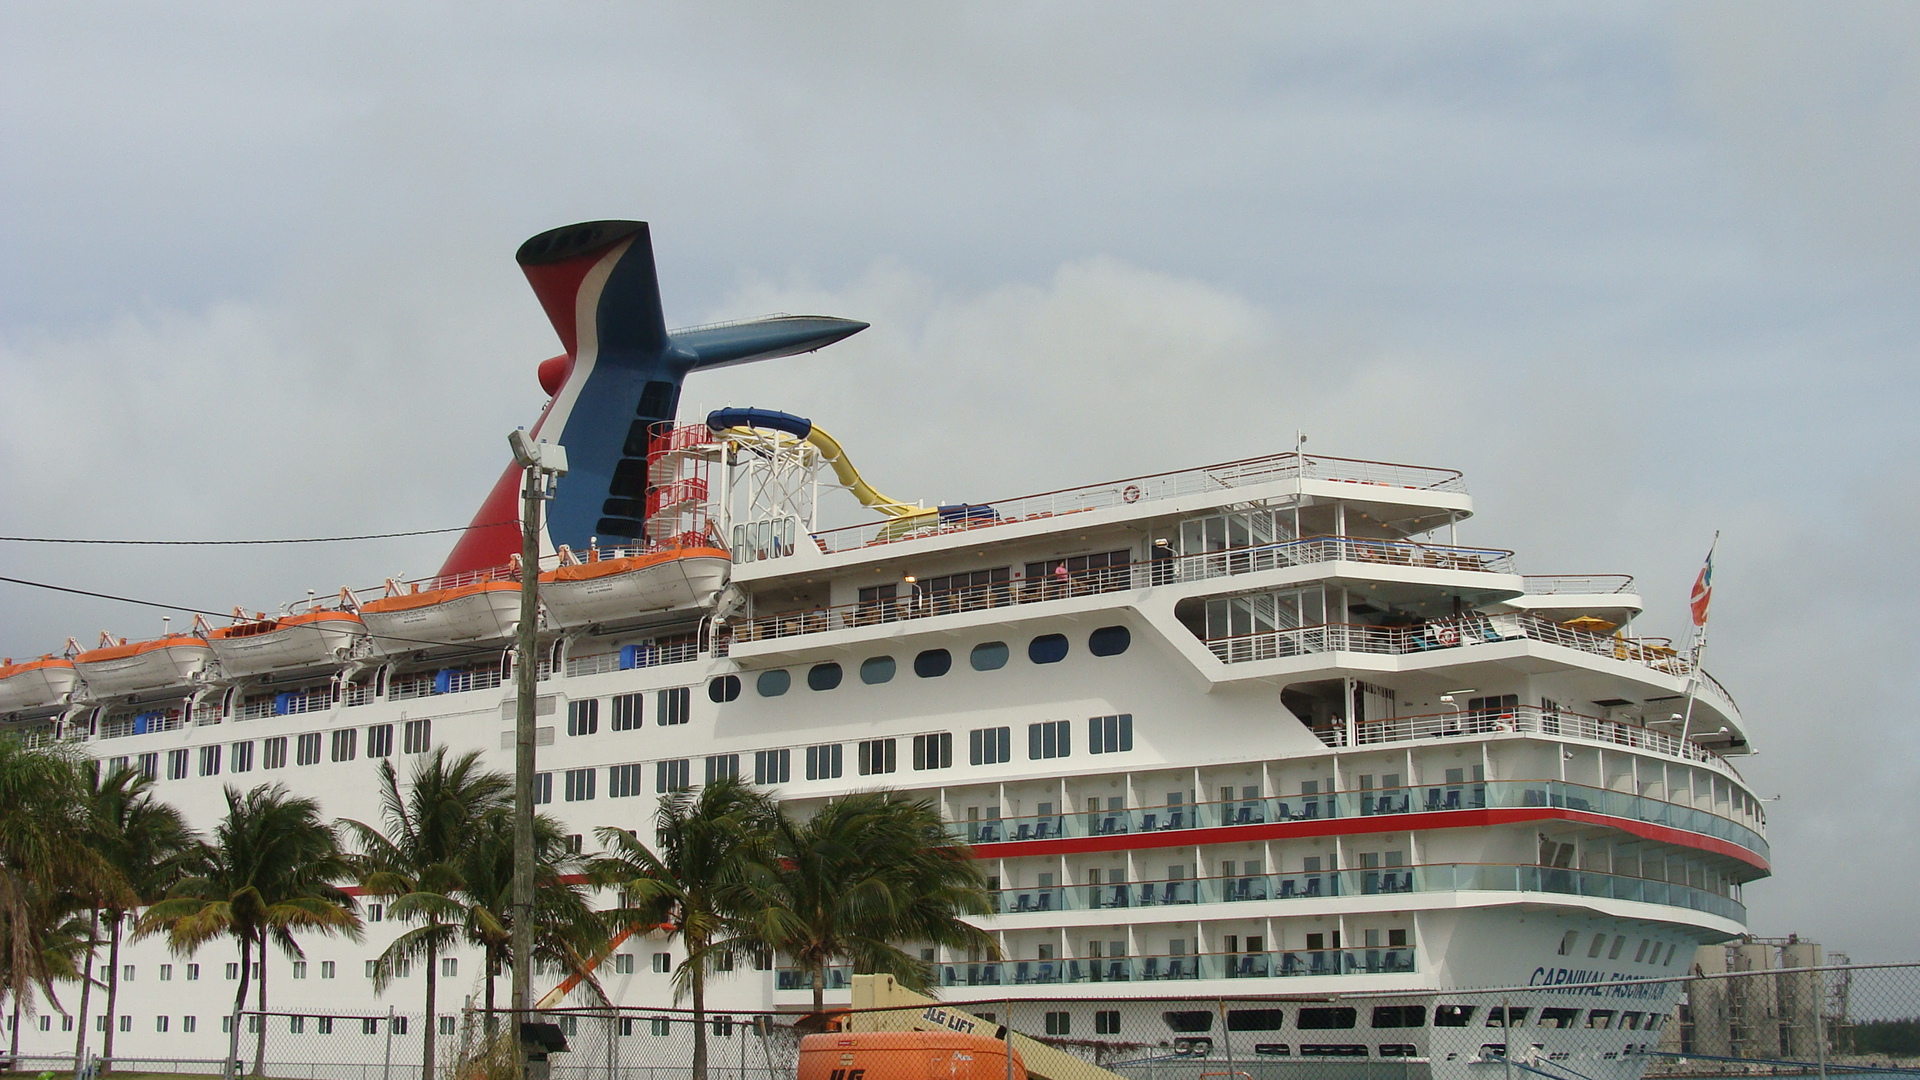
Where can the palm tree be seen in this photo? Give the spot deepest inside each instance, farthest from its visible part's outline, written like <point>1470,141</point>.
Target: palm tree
<point>42,822</point>
<point>870,870</point>
<point>147,846</point>
<point>269,874</point>
<point>567,931</point>
<point>709,842</point>
<point>416,861</point>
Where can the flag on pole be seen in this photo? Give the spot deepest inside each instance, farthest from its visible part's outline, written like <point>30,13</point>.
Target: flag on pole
<point>1703,588</point>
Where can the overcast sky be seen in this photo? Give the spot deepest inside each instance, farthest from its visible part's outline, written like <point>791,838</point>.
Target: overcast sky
<point>1642,271</point>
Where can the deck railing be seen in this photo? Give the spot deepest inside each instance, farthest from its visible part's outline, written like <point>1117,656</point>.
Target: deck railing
<point>1528,719</point>
<point>1151,488</point>
<point>1578,584</point>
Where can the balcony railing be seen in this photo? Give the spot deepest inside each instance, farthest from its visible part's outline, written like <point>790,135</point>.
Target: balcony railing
<point>1206,566</point>
<point>1158,486</point>
<point>1524,719</point>
<point>1365,881</point>
<point>1578,584</point>
<point>1162,968</point>
<point>1417,799</point>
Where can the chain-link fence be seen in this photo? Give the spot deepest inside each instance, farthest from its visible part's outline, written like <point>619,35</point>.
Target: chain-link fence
<point>1739,1014</point>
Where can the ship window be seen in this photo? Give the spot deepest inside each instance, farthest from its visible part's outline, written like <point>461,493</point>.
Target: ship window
<point>1332,1050</point>
<point>1389,1049</point>
<point>1189,1021</point>
<point>824,762</point>
<point>878,756</point>
<point>1326,1019</point>
<point>875,670</point>
<point>933,751</point>
<point>989,656</point>
<point>176,764</point>
<point>724,689</point>
<point>673,706</point>
<point>307,749</point>
<point>579,785</point>
<point>1567,942</point>
<point>273,754</point>
<point>1047,649</point>
<point>623,781</point>
<point>672,775</point>
<point>1452,1015</point>
<point>1106,1022</point>
<point>723,767</point>
<point>241,760</point>
<point>773,683</point>
<point>989,746</point>
<point>344,742</point>
<point>772,766</point>
<point>1399,1016</point>
<point>542,788</point>
<point>1110,734</point>
<point>1497,1016</point>
<point>1109,641</point>
<point>1049,739</point>
<point>933,663</point>
<point>1557,1018</point>
<point>210,761</point>
<point>1600,1019</point>
<point>583,717</point>
<point>380,740</point>
<point>1059,1023</point>
<point>417,736</point>
<point>823,676</point>
<point>1255,1019</point>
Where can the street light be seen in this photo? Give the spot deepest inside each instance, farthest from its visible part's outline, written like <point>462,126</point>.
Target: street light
<point>541,464</point>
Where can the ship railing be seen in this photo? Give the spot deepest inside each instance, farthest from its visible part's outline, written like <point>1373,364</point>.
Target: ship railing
<point>1450,795</point>
<point>1527,719</point>
<point>923,603</point>
<point>1226,476</point>
<point>1463,631</point>
<point>1179,967</point>
<point>1364,881</point>
<point>1578,584</point>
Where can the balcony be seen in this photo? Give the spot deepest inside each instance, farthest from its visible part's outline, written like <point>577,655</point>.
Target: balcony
<point>1366,881</point>
<point>1524,719</point>
<point>1142,969</point>
<point>1206,566</point>
<point>1418,799</point>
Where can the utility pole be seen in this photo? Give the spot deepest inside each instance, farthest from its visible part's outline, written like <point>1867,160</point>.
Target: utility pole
<point>541,464</point>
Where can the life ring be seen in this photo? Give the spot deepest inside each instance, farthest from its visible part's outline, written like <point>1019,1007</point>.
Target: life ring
<point>1447,635</point>
<point>1131,493</point>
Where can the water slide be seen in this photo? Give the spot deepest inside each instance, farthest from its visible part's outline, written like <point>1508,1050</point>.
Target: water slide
<point>907,515</point>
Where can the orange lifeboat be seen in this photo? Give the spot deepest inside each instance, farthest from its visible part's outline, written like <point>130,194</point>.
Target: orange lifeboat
<point>33,684</point>
<point>130,667</point>
<point>404,621</point>
<point>604,590</point>
<point>255,646</point>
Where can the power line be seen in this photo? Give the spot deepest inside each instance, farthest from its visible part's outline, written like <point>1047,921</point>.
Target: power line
<point>247,543</point>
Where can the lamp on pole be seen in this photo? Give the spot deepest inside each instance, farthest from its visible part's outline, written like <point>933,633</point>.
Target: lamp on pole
<point>541,465</point>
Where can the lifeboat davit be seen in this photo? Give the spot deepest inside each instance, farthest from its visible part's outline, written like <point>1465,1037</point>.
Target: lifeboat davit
<point>32,684</point>
<point>607,589</point>
<point>128,668</point>
<point>483,611</point>
<point>256,646</point>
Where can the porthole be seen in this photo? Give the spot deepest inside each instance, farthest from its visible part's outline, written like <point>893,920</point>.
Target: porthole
<point>723,689</point>
<point>1109,641</point>
<point>1047,649</point>
<point>933,663</point>
<point>773,683</point>
<point>875,670</point>
<point>823,676</point>
<point>989,656</point>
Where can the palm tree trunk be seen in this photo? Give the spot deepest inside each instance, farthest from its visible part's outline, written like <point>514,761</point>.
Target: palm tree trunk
<point>232,1066</point>
<point>819,974</point>
<point>86,990</point>
<point>260,1037</point>
<point>433,1027</point>
<point>699,987</point>
<point>493,969</point>
<point>13,1046</point>
<point>113,988</point>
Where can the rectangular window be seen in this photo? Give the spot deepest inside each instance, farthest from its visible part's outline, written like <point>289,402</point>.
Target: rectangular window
<point>449,967</point>
<point>579,784</point>
<point>1059,1023</point>
<point>1049,739</point>
<point>273,753</point>
<point>627,714</point>
<point>989,746</point>
<point>159,1023</point>
<point>344,743</point>
<point>380,741</point>
<point>150,766</point>
<point>673,706</point>
<point>210,760</point>
<point>542,788</point>
<point>233,972</point>
<point>166,972</point>
<point>623,963</point>
<point>662,963</point>
<point>189,1024</point>
<point>193,972</point>
<point>722,766</point>
<point>446,1025</point>
<point>296,1025</point>
<point>823,762</point>
<point>1110,734</point>
<point>324,1024</point>
<point>369,1026</point>
<point>772,766</point>
<point>416,737</point>
<point>177,764</point>
<point>877,756</point>
<point>306,749</point>
<point>326,969</point>
<point>299,969</point>
<point>119,764</point>
<point>933,751</point>
<point>672,775</point>
<point>241,757</point>
<point>583,717</point>
<point>1106,1022</point>
<point>623,781</point>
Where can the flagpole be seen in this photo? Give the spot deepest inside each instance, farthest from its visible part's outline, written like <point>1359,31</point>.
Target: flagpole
<point>1699,649</point>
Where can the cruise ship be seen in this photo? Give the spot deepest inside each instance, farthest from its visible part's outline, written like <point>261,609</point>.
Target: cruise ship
<point>1260,729</point>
